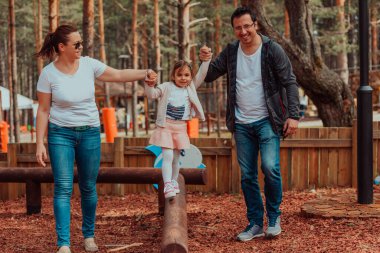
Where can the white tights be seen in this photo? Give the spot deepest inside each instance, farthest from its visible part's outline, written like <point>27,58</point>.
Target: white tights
<point>170,164</point>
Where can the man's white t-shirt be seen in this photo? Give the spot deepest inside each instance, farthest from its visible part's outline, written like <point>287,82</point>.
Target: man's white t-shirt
<point>250,97</point>
<point>73,96</point>
<point>178,107</point>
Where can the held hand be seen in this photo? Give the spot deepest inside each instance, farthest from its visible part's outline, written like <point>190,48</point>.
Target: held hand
<point>151,78</point>
<point>290,127</point>
<point>41,154</point>
<point>205,53</point>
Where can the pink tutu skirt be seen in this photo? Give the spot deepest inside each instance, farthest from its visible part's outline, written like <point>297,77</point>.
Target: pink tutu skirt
<point>173,135</point>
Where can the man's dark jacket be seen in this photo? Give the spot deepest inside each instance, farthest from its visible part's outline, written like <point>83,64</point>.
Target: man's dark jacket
<point>280,85</point>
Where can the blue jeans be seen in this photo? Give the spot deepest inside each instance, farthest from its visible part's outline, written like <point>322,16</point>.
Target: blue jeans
<point>250,139</point>
<point>65,145</point>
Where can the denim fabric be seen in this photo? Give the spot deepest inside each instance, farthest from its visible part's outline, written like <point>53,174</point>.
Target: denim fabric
<point>250,139</point>
<point>66,145</point>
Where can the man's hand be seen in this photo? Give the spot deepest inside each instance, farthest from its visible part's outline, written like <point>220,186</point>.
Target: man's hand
<point>205,53</point>
<point>151,78</point>
<point>290,127</point>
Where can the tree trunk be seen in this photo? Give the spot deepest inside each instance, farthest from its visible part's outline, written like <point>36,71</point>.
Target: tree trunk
<point>102,50</point>
<point>352,37</point>
<point>10,84</point>
<point>38,32</point>
<point>12,28</point>
<point>135,65</point>
<point>342,63</point>
<point>157,38</point>
<point>327,90</point>
<point>53,15</point>
<point>2,63</point>
<point>218,85</point>
<point>145,63</point>
<point>374,36</point>
<point>88,27</point>
<point>181,30</point>
<point>236,2</point>
<point>286,25</point>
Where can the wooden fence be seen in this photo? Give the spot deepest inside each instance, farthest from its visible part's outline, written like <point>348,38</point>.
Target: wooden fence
<point>313,158</point>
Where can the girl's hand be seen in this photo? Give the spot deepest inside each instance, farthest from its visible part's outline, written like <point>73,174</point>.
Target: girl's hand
<point>151,78</point>
<point>41,154</point>
<point>205,53</point>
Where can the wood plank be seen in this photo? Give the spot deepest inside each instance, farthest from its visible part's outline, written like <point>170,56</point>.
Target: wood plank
<point>285,168</point>
<point>118,161</point>
<point>324,159</point>
<point>235,170</point>
<point>313,155</point>
<point>375,126</point>
<point>296,161</point>
<point>316,143</point>
<point>344,159</point>
<point>333,159</point>
<point>354,153</point>
<point>223,183</point>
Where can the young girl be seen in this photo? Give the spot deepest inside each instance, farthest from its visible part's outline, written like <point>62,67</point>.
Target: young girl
<point>177,103</point>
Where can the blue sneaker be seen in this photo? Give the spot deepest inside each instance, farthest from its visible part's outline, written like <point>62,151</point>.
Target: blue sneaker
<point>274,228</point>
<point>250,232</point>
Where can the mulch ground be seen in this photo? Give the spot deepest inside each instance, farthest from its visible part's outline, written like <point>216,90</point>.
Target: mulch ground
<point>213,220</point>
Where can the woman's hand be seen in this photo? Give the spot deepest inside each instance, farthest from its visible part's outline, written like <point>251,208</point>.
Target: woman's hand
<point>41,154</point>
<point>151,78</point>
<point>205,53</point>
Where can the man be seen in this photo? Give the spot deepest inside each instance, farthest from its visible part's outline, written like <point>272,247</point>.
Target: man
<point>262,106</point>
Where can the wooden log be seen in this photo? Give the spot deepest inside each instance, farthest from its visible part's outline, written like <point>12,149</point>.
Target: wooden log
<point>134,175</point>
<point>175,238</point>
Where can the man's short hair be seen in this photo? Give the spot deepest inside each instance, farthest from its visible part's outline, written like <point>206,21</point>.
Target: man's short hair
<point>240,11</point>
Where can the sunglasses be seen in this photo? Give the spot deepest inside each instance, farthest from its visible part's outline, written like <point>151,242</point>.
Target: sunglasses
<point>78,44</point>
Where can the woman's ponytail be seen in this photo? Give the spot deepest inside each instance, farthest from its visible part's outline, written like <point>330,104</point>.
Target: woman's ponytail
<point>47,50</point>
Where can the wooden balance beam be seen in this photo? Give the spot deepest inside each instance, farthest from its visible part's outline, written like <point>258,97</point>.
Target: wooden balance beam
<point>34,176</point>
<point>174,235</point>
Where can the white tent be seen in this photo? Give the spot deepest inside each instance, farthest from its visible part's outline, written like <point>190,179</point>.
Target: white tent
<point>23,102</point>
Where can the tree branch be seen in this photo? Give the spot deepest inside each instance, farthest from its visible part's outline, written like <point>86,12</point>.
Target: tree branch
<point>194,22</point>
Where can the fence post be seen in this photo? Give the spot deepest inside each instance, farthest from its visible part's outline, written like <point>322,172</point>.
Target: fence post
<point>12,162</point>
<point>118,161</point>
<point>354,154</point>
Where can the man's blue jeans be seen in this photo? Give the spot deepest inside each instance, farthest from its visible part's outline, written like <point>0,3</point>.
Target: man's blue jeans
<point>250,139</point>
<point>65,145</point>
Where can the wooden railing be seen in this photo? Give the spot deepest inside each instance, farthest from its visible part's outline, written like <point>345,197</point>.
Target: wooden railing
<point>313,158</point>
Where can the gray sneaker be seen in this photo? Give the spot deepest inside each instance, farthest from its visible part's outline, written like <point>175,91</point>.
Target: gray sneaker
<point>274,228</point>
<point>250,232</point>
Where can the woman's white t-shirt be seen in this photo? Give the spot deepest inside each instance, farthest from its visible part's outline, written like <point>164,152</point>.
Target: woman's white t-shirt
<point>73,96</point>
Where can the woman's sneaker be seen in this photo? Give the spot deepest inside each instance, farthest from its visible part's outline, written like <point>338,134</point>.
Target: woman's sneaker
<point>64,249</point>
<point>169,191</point>
<point>90,245</point>
<point>175,186</point>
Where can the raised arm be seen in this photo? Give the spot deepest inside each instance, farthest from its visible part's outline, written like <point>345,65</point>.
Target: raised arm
<point>202,72</point>
<point>218,67</point>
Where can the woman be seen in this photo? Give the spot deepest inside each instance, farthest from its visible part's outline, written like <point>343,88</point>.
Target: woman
<point>67,108</point>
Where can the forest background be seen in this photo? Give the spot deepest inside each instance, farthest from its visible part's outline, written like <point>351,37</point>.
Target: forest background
<point>319,36</point>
